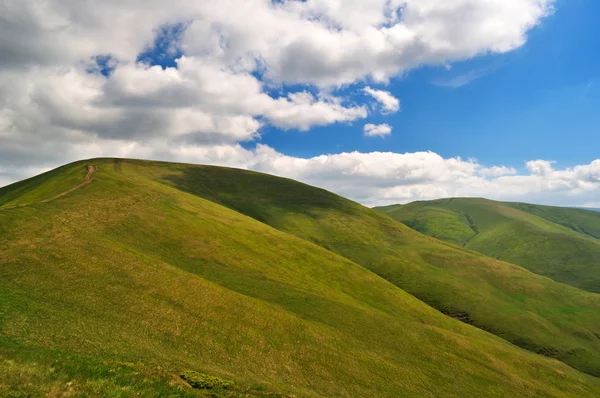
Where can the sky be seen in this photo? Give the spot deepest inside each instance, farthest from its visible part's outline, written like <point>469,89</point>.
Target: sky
<point>381,101</point>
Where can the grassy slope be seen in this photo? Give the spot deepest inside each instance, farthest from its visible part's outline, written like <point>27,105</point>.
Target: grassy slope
<point>118,286</point>
<point>584,221</point>
<point>561,243</point>
<point>41,187</point>
<point>437,222</point>
<point>526,309</point>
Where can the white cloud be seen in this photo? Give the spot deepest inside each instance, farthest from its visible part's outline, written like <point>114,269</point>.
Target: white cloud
<point>218,90</point>
<point>303,110</point>
<point>389,103</point>
<point>377,130</point>
<point>540,167</point>
<point>197,102</point>
<point>379,178</point>
<point>463,79</point>
<point>375,178</point>
<point>55,106</point>
<point>316,41</point>
<point>497,171</point>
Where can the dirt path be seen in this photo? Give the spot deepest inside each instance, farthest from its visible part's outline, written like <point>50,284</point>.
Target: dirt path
<point>88,179</point>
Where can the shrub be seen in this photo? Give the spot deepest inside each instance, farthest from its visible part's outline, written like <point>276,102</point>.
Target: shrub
<point>204,381</point>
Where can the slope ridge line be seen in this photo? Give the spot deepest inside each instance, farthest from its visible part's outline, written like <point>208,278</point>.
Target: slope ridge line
<point>88,179</point>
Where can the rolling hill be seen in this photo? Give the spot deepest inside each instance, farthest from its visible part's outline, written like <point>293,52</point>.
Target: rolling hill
<point>149,269</point>
<point>526,309</point>
<point>560,243</point>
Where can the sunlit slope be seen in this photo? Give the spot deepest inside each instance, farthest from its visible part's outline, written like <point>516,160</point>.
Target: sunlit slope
<point>561,243</point>
<point>115,288</point>
<point>41,187</point>
<point>529,310</point>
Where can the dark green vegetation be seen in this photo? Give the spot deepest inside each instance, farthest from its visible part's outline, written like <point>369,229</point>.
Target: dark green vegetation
<point>560,243</point>
<point>151,270</point>
<point>204,381</point>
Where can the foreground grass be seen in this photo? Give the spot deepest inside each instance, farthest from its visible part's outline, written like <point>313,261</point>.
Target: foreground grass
<point>32,372</point>
<point>27,371</point>
<point>560,243</point>
<point>131,269</point>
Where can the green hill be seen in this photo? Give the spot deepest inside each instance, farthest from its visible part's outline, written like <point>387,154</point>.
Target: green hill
<point>526,309</point>
<point>117,287</point>
<point>560,243</point>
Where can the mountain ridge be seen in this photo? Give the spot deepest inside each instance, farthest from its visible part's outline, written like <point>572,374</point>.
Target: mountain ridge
<point>559,242</point>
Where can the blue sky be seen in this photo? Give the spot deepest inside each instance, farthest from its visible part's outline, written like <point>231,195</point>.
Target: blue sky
<point>541,101</point>
<point>498,99</point>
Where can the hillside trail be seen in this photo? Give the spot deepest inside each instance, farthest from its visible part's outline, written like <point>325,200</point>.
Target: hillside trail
<point>88,179</point>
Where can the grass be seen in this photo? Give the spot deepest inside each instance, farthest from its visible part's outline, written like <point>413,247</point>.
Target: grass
<point>41,187</point>
<point>122,285</point>
<point>560,243</point>
<point>526,309</point>
<point>28,372</point>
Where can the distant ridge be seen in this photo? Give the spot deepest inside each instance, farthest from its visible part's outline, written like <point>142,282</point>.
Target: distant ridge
<point>591,208</point>
<point>559,242</point>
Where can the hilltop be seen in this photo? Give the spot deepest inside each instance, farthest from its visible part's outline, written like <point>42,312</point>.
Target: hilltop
<point>557,242</point>
<point>116,280</point>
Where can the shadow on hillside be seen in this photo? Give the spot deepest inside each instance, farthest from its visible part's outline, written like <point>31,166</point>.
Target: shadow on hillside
<point>260,196</point>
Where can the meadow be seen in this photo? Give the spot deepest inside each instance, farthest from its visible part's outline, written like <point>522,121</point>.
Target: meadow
<point>155,269</point>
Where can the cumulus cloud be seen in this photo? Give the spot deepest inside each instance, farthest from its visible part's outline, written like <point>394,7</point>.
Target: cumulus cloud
<point>497,171</point>
<point>76,80</point>
<point>389,103</point>
<point>375,178</point>
<point>315,41</point>
<point>380,178</point>
<point>540,167</point>
<point>377,130</point>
